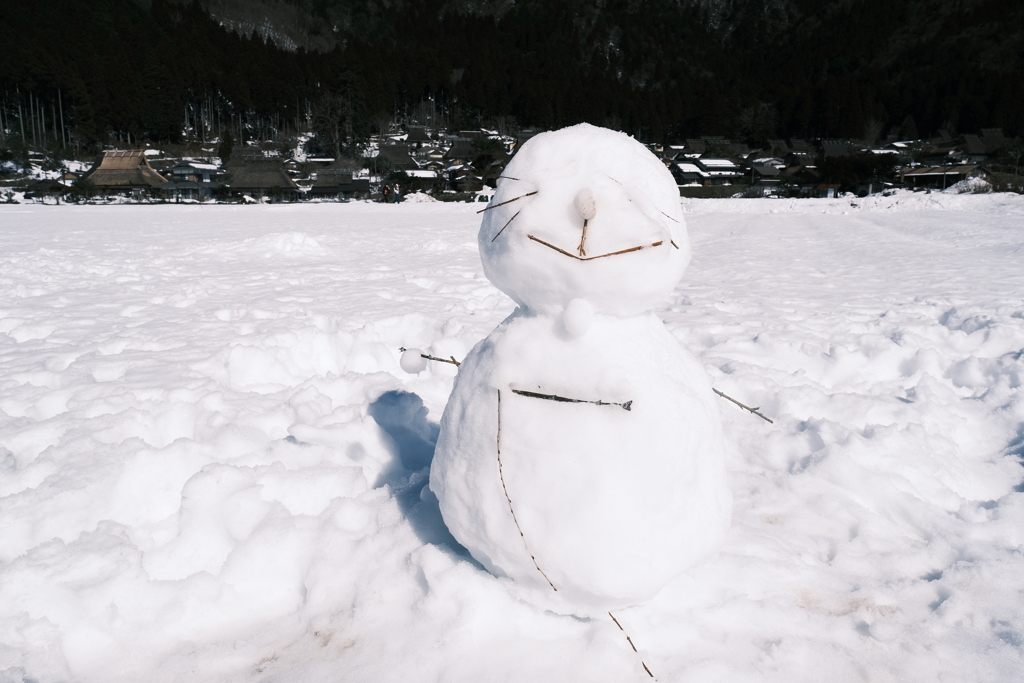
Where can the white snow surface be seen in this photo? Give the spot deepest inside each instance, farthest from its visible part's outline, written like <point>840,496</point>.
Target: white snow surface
<point>203,475</point>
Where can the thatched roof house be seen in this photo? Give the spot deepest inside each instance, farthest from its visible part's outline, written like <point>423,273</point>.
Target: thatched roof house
<point>417,134</point>
<point>336,182</point>
<point>123,169</point>
<point>943,176</point>
<point>397,156</point>
<point>258,176</point>
<point>461,151</point>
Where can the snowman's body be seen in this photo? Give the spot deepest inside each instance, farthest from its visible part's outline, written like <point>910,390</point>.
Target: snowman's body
<point>581,453</point>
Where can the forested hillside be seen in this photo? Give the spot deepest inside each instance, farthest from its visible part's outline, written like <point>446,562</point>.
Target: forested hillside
<point>660,69</point>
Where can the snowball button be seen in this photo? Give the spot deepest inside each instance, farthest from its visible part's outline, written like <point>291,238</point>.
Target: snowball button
<point>412,361</point>
<point>577,318</point>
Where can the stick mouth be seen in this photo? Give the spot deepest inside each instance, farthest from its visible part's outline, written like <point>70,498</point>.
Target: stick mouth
<point>583,257</point>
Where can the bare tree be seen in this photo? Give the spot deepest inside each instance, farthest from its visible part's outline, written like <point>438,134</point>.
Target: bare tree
<point>382,122</point>
<point>330,117</point>
<point>872,131</point>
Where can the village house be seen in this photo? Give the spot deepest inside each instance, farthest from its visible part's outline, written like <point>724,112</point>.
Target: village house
<point>670,152</point>
<point>424,174</point>
<point>464,178</point>
<point>396,155</point>
<point>259,176</point>
<point>941,177</point>
<point>431,154</point>
<point>765,174</point>
<point>492,170</point>
<point>833,148</point>
<point>433,165</point>
<point>690,169</point>
<point>417,135</point>
<point>123,170</point>
<point>802,178</point>
<point>336,183</point>
<point>686,172</point>
<point>798,158</point>
<point>461,151</point>
<point>801,145</point>
<point>191,180</point>
<point>946,153</point>
<point>718,170</point>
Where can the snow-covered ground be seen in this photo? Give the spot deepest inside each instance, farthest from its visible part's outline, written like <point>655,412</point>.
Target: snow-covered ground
<point>212,466</point>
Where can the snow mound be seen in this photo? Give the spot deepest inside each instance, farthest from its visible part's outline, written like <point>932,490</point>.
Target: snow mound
<point>418,198</point>
<point>970,186</point>
<point>287,244</point>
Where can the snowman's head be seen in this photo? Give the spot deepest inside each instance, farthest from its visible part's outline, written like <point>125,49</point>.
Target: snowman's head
<point>585,213</point>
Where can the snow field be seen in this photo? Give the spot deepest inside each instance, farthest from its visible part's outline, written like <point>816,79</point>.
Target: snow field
<point>213,468</point>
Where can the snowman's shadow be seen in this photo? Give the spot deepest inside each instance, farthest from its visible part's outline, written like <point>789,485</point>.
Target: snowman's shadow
<point>403,417</point>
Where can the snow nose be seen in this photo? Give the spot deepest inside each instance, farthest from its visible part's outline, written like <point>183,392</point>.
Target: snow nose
<point>584,204</point>
<point>586,207</point>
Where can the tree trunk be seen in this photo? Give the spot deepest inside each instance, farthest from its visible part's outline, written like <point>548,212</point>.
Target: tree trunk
<point>60,103</point>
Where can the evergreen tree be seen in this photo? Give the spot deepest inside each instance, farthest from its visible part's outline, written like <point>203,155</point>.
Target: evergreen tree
<point>225,146</point>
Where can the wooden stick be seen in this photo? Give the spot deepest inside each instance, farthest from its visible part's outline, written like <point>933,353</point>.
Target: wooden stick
<point>753,410</point>
<point>630,641</point>
<point>501,475</point>
<point>507,201</point>
<point>628,405</point>
<point>443,360</point>
<point>583,240</point>
<point>506,225</point>
<point>591,258</point>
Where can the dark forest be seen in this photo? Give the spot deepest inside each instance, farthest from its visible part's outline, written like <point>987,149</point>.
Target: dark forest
<point>662,70</point>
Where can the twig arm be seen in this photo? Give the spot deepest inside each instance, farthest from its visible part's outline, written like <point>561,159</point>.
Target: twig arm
<point>443,360</point>
<point>745,407</point>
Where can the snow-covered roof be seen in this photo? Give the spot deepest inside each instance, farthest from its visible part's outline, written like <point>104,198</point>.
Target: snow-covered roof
<point>711,161</point>
<point>688,168</point>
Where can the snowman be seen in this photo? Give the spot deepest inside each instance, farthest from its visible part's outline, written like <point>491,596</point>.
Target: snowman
<point>580,455</point>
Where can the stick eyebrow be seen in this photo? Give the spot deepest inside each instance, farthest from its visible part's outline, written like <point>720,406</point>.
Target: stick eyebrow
<point>507,201</point>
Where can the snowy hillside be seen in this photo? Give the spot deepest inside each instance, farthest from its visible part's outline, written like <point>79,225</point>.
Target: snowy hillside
<point>212,467</point>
